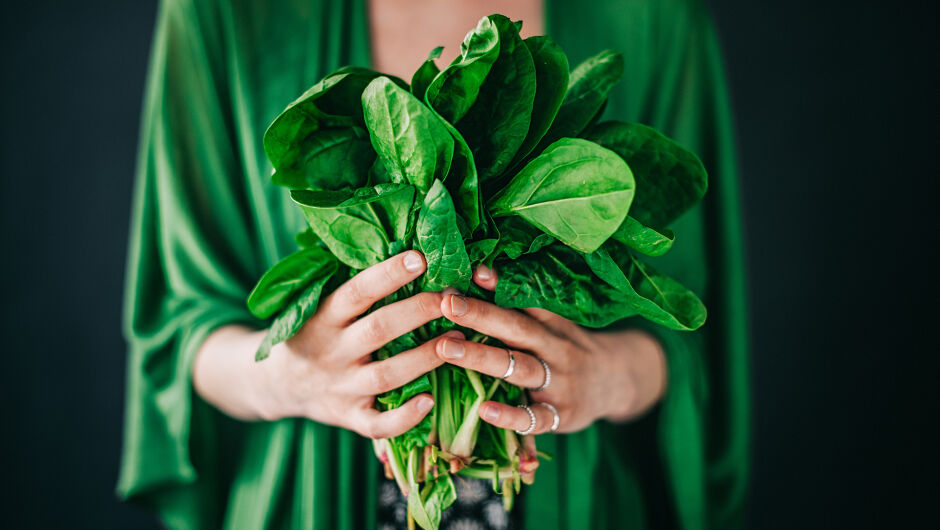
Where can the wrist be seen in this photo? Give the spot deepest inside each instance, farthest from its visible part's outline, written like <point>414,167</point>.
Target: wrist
<point>637,374</point>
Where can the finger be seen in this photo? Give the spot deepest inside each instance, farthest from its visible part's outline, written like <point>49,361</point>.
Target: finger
<point>508,325</point>
<point>516,418</point>
<point>387,323</point>
<point>554,322</point>
<point>381,376</point>
<point>527,370</point>
<point>374,424</point>
<point>485,277</point>
<point>357,295</point>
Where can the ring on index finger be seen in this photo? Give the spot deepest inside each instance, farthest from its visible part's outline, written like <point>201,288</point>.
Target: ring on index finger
<point>512,365</point>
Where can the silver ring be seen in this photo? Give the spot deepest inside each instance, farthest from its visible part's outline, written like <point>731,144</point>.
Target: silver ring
<point>512,365</point>
<point>548,375</point>
<point>531,421</point>
<point>556,420</point>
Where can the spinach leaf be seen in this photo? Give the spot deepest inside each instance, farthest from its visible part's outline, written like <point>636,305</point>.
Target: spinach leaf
<point>497,123</point>
<point>297,312</point>
<point>556,278</point>
<point>439,239</point>
<point>463,182</point>
<point>409,138</point>
<point>456,88</point>
<point>285,279</point>
<point>518,237</point>
<point>644,239</point>
<point>576,191</point>
<point>551,83</point>
<point>669,178</point>
<point>333,102</point>
<point>425,74</point>
<point>358,227</point>
<point>307,239</point>
<point>655,296</point>
<point>588,87</point>
<point>335,159</point>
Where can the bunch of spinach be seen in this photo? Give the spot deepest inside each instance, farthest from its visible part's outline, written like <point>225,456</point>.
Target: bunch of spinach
<point>497,159</point>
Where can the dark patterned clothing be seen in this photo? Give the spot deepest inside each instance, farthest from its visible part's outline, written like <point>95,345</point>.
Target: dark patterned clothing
<point>477,507</point>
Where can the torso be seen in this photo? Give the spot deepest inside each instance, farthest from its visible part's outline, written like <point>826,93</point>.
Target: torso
<point>404,31</point>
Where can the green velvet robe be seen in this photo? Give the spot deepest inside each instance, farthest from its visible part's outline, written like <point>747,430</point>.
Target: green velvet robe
<point>207,223</point>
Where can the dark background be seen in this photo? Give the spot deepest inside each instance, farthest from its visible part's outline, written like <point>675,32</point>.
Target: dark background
<point>836,109</point>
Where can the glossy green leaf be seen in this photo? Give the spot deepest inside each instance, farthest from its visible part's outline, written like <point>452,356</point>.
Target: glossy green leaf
<point>588,87</point>
<point>285,279</point>
<point>576,191</point>
<point>333,102</point>
<point>307,239</point>
<point>551,84</point>
<point>655,296</point>
<point>358,227</point>
<point>335,159</point>
<point>517,237</point>
<point>669,178</point>
<point>425,74</point>
<point>556,278</point>
<point>456,88</point>
<point>297,312</point>
<point>439,239</point>
<point>497,123</point>
<point>463,182</point>
<point>410,139</point>
<point>644,239</point>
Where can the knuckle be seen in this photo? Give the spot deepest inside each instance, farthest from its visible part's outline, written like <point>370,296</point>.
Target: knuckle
<point>353,292</point>
<point>374,330</point>
<point>378,380</point>
<point>429,304</point>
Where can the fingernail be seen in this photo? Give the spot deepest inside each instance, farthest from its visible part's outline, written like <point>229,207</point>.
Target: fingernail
<point>453,349</point>
<point>484,272</point>
<point>490,414</point>
<point>424,404</point>
<point>458,305</point>
<point>450,290</point>
<point>413,261</point>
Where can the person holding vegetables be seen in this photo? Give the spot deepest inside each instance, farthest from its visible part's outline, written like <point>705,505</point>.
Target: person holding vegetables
<point>214,439</point>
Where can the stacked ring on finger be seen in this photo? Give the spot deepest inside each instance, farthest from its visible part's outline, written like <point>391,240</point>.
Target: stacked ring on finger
<point>548,375</point>
<point>531,421</point>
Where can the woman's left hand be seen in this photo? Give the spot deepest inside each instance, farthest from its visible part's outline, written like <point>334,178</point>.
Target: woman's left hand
<point>594,375</point>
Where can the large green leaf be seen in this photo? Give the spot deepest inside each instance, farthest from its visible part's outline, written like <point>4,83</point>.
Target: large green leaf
<point>588,87</point>
<point>518,237</point>
<point>497,123</point>
<point>297,312</point>
<point>456,88</point>
<point>285,279</point>
<point>669,178</point>
<point>551,83</point>
<point>556,278</point>
<point>334,159</point>
<point>463,183</point>
<point>333,102</point>
<point>359,227</point>
<point>410,139</point>
<point>425,74</point>
<point>653,295</point>
<point>439,239</point>
<point>644,239</point>
<point>576,191</point>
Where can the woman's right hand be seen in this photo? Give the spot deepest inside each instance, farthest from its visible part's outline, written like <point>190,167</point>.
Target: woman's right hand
<point>324,372</point>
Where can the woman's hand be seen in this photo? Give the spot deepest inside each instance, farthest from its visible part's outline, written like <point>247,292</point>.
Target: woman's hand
<point>594,375</point>
<point>324,372</point>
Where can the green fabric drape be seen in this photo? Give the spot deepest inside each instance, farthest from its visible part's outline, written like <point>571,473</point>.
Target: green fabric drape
<point>207,223</point>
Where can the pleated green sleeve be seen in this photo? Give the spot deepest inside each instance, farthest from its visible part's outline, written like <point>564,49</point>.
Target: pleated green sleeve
<point>190,263</point>
<point>698,435</point>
